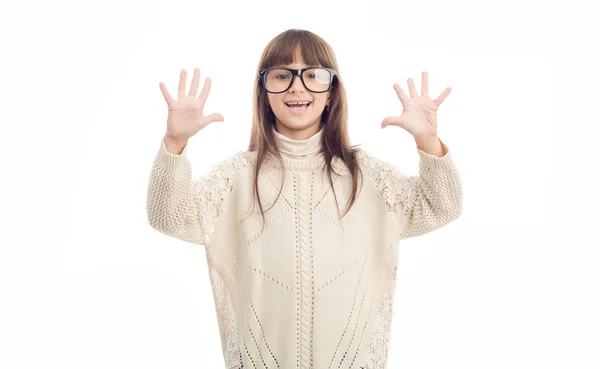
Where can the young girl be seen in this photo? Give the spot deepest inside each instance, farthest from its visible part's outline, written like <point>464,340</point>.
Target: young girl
<point>301,230</point>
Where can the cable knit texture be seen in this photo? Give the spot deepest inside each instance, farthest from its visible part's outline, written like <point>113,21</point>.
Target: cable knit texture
<point>310,290</point>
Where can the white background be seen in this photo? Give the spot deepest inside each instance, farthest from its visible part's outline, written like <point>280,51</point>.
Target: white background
<point>85,282</point>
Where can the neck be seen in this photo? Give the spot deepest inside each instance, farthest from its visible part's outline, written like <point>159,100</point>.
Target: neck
<point>297,134</point>
<point>298,148</point>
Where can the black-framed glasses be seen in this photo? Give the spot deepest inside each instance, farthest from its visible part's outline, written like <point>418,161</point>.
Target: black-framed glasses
<point>316,79</point>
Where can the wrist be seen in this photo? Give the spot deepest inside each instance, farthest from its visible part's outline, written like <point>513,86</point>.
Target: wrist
<point>430,145</point>
<point>175,139</point>
<point>175,145</point>
<point>426,139</point>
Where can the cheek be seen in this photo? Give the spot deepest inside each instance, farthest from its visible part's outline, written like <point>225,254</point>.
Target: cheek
<point>274,103</point>
<point>320,102</point>
<point>271,99</point>
<point>324,98</point>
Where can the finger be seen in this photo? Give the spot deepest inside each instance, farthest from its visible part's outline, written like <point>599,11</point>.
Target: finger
<point>412,88</point>
<point>215,117</point>
<point>166,94</point>
<point>425,84</point>
<point>443,96</point>
<point>195,82</point>
<point>394,121</point>
<point>205,90</point>
<point>181,90</point>
<point>401,95</point>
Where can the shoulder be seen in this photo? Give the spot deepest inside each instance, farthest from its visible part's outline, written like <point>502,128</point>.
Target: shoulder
<point>226,171</point>
<point>236,161</point>
<point>382,173</point>
<point>372,163</point>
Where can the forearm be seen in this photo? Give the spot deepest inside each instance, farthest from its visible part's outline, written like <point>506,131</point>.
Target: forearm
<point>171,204</point>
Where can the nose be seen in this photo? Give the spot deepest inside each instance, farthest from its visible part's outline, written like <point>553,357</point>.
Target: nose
<point>296,83</point>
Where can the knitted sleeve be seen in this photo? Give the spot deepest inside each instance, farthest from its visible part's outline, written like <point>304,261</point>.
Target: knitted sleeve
<point>422,203</point>
<point>185,208</point>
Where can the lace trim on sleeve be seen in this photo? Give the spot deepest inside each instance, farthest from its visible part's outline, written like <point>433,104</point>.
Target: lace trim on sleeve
<point>394,187</point>
<point>211,193</point>
<point>417,204</point>
<point>190,209</point>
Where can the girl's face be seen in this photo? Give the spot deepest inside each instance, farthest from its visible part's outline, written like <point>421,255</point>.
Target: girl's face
<point>293,122</point>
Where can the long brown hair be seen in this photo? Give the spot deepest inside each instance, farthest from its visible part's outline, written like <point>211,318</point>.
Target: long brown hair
<point>335,142</point>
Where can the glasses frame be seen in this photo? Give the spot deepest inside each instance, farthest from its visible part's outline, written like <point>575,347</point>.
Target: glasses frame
<point>296,72</point>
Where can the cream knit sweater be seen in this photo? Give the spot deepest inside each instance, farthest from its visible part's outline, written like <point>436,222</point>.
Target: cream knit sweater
<point>311,290</point>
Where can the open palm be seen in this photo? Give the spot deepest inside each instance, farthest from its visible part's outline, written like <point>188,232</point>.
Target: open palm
<point>186,114</point>
<point>419,113</point>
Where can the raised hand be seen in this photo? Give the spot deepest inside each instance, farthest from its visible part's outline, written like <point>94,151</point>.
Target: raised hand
<point>419,113</point>
<point>186,115</point>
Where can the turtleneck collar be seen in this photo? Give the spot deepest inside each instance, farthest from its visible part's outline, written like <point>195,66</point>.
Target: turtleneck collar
<point>298,149</point>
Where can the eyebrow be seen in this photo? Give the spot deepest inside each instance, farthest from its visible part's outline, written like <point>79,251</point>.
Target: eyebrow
<point>306,66</point>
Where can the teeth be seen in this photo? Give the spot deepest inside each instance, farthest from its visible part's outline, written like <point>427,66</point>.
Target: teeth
<point>298,104</point>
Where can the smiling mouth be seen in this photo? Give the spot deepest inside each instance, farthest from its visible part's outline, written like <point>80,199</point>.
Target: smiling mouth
<point>298,108</point>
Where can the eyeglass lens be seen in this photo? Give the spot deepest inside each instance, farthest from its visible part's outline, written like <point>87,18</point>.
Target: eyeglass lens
<point>315,79</point>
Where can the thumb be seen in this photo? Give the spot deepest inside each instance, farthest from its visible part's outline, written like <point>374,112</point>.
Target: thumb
<point>394,121</point>
<point>215,117</point>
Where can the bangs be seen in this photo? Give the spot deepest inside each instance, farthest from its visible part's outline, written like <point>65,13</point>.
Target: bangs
<point>287,48</point>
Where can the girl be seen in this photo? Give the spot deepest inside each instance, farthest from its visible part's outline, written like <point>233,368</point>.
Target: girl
<point>297,283</point>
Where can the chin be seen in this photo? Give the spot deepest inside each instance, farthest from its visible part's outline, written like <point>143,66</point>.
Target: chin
<point>296,125</point>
